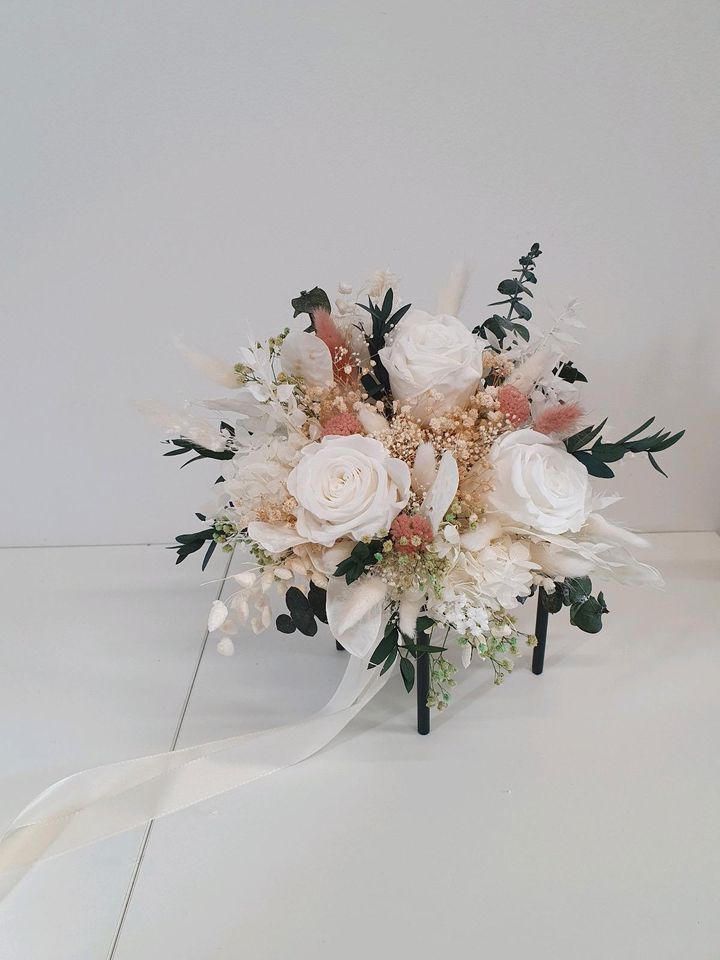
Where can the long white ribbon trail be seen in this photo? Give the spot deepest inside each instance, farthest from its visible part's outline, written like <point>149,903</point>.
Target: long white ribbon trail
<point>108,800</point>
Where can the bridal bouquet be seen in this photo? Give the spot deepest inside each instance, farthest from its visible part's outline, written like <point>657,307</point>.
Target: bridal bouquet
<point>410,481</point>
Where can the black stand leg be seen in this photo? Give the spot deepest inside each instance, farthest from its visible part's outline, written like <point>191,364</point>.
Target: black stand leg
<point>422,683</point>
<point>541,625</point>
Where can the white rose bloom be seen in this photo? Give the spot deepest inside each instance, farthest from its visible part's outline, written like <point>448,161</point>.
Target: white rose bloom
<point>347,487</point>
<point>537,483</point>
<point>432,353</point>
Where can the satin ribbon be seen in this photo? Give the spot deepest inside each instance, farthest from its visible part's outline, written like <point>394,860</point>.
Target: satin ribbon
<point>108,800</point>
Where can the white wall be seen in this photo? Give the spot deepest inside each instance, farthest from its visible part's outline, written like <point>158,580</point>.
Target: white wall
<point>179,167</point>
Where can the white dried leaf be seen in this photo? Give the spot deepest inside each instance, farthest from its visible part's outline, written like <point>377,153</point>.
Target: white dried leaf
<point>442,493</point>
<point>217,616</point>
<point>226,647</point>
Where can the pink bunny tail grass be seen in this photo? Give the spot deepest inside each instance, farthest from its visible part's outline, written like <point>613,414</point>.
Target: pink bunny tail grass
<point>344,367</point>
<point>514,404</point>
<point>560,420</point>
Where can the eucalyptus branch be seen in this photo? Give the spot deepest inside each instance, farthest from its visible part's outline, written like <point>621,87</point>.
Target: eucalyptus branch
<point>513,289</point>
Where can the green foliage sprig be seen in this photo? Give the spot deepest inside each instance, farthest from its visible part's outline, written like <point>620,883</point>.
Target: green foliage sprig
<point>192,542</point>
<point>188,446</point>
<point>595,458</point>
<point>586,611</point>
<point>514,290</point>
<point>393,643</point>
<point>362,557</point>
<point>377,383</point>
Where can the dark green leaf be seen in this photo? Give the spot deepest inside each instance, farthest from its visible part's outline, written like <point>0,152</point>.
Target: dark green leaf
<point>385,647</point>
<point>352,575</point>
<point>576,589</point>
<point>656,465</point>
<point>209,553</point>
<point>309,301</point>
<point>317,598</point>
<point>390,661</point>
<point>522,311</point>
<point>509,288</point>
<point>570,373</point>
<point>552,602</point>
<point>407,670</point>
<point>596,468</point>
<point>646,443</point>
<point>608,452</point>
<point>301,611</point>
<point>285,624</point>
<point>397,317</point>
<point>669,442</point>
<point>634,433</point>
<point>586,435</point>
<point>588,614</point>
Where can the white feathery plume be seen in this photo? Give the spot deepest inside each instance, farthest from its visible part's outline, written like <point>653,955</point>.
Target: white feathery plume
<point>453,293</point>
<point>180,423</point>
<point>526,374</point>
<point>213,369</point>
<point>408,612</point>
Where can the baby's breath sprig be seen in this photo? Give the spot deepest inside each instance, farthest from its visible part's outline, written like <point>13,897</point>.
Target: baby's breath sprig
<point>498,644</point>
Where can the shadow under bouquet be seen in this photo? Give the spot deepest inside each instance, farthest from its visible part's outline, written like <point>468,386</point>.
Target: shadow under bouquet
<point>410,481</point>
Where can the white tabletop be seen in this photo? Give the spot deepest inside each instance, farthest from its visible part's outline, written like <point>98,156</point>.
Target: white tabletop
<point>563,816</point>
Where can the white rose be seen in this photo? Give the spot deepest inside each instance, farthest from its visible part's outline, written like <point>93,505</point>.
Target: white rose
<point>537,483</point>
<point>432,353</point>
<point>347,487</point>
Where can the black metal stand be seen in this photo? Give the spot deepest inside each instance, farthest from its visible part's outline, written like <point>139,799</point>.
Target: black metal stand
<point>541,625</point>
<point>422,685</point>
<point>422,668</point>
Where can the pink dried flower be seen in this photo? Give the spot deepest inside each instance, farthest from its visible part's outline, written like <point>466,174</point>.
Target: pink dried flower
<point>411,534</point>
<point>560,420</point>
<point>344,367</point>
<point>341,425</point>
<point>514,405</point>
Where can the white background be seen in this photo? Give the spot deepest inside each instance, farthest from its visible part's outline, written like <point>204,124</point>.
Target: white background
<point>175,167</point>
